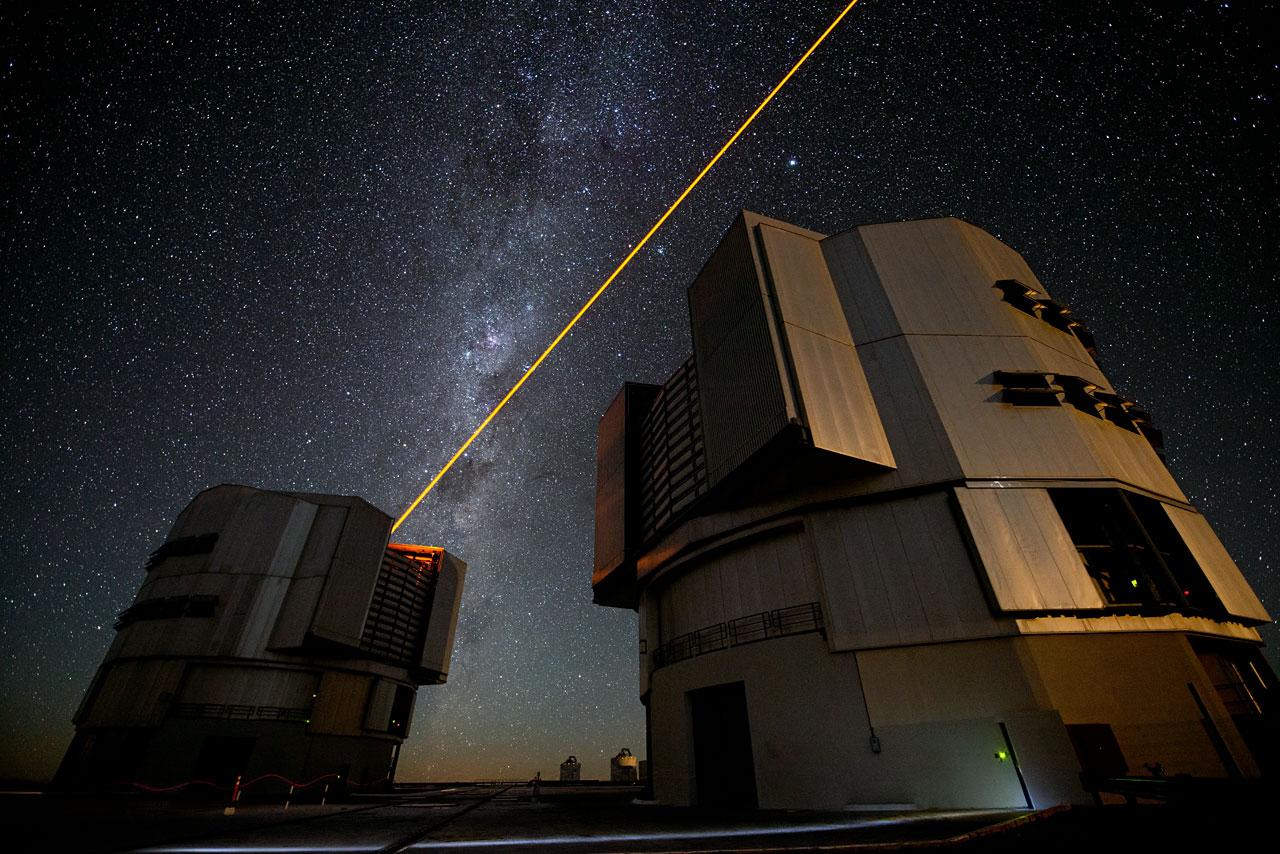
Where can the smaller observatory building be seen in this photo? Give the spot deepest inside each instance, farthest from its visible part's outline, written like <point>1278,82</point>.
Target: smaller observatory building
<point>274,633</point>
<point>894,538</point>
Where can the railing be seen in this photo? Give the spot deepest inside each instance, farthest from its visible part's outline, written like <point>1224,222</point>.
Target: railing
<point>780,622</point>
<point>227,711</point>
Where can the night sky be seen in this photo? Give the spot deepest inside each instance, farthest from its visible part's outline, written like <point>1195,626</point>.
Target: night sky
<point>307,246</point>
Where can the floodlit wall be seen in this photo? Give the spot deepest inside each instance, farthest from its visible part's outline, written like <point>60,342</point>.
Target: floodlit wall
<point>772,349</point>
<point>894,419</point>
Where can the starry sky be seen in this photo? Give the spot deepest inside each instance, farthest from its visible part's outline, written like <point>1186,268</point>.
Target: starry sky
<point>308,245</point>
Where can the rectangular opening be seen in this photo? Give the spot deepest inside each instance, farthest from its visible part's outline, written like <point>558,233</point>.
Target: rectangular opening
<point>1097,749</point>
<point>724,768</point>
<point>1132,551</point>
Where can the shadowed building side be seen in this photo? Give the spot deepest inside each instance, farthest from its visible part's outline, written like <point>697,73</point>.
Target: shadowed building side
<point>274,632</point>
<point>894,538</point>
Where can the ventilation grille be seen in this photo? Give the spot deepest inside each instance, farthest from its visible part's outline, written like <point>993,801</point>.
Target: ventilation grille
<point>401,604</point>
<point>673,458</point>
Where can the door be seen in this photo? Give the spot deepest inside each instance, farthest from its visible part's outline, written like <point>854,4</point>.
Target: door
<point>722,762</point>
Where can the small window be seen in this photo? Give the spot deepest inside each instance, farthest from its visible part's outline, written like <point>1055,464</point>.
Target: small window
<point>1132,551</point>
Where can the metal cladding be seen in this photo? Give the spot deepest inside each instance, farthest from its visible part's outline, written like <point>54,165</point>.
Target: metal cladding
<point>891,520</point>
<point>275,632</point>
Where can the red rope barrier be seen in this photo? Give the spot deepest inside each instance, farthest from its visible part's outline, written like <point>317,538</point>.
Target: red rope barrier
<point>333,775</point>
<point>285,779</point>
<point>161,789</point>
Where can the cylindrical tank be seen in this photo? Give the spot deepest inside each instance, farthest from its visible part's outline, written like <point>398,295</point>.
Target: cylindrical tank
<point>570,769</point>
<point>624,768</point>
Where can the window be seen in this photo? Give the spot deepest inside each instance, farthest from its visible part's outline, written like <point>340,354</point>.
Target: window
<point>1132,551</point>
<point>1246,686</point>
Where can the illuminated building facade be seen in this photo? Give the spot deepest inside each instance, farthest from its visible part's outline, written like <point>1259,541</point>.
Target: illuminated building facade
<point>275,632</point>
<point>893,538</point>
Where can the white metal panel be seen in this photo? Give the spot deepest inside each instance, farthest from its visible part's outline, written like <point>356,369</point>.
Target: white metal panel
<point>858,286</point>
<point>348,590</point>
<point>248,541</point>
<point>760,576</point>
<point>1026,553</point>
<point>801,283</point>
<point>249,686</point>
<point>292,539</point>
<point>1228,582</point>
<point>133,693</point>
<point>378,713</point>
<point>889,559</point>
<point>295,616</point>
<point>922,450</point>
<point>836,401</point>
<point>326,530</point>
<point>942,569</point>
<point>841,608</point>
<point>437,646</point>
<point>261,617</point>
<point>740,374</point>
<point>857,534</point>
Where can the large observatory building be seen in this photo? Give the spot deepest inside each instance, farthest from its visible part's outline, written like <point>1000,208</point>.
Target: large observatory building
<point>275,633</point>
<point>893,538</point>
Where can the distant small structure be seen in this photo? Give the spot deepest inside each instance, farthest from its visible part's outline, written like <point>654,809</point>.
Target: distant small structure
<point>570,770</point>
<point>624,768</point>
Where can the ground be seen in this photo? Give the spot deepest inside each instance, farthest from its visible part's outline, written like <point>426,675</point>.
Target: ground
<point>581,818</point>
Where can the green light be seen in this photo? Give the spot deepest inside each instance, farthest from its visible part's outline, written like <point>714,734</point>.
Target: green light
<point>1002,755</point>
<point>1134,582</point>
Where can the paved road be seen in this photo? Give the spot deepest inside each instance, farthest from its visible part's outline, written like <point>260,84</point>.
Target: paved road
<point>460,818</point>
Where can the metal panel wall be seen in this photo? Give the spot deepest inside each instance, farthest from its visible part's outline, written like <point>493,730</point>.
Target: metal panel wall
<point>760,576</point>
<point>309,575</point>
<point>262,617</point>
<point>741,379</point>
<point>1026,552</point>
<point>1230,585</point>
<point>128,693</point>
<point>437,646</point>
<point>249,686</point>
<point>836,402</point>
<point>352,576</point>
<point>898,572</point>
<point>248,541</point>
<point>377,715</point>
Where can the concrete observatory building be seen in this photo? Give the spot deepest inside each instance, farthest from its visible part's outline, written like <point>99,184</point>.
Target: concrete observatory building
<point>893,538</point>
<point>275,632</point>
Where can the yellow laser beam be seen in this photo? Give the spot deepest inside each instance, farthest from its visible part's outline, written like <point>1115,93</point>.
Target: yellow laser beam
<point>622,266</point>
